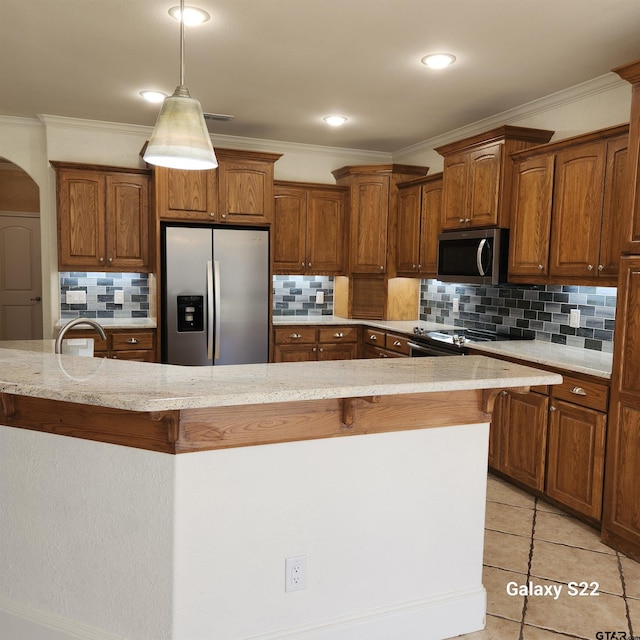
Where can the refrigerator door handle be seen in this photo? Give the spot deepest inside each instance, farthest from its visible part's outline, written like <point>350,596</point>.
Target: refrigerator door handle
<point>216,290</point>
<point>210,309</point>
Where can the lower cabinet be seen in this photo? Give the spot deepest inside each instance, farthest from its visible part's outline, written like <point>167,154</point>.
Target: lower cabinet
<point>553,442</point>
<point>298,343</point>
<point>122,344</point>
<point>381,344</point>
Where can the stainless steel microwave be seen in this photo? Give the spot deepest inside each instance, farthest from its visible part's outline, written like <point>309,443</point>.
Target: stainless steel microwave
<point>477,256</point>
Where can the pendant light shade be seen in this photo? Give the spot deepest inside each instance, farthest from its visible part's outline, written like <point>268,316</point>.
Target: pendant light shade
<point>180,139</point>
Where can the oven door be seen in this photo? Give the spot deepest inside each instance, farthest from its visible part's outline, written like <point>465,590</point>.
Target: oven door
<point>431,351</point>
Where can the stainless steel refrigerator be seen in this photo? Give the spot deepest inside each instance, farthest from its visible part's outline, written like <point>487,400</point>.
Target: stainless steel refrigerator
<point>215,295</point>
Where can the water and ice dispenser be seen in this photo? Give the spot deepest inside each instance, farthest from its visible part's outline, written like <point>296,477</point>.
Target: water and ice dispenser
<point>190,313</point>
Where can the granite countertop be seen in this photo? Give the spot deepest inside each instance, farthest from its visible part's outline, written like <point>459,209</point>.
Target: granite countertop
<point>137,386</point>
<point>587,361</point>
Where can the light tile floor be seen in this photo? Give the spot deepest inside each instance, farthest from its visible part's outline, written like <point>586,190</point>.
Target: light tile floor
<point>529,541</point>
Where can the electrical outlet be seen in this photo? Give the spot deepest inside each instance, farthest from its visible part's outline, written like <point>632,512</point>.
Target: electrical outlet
<point>320,297</point>
<point>295,573</point>
<point>574,318</point>
<point>456,305</point>
<point>118,296</point>
<point>76,297</point>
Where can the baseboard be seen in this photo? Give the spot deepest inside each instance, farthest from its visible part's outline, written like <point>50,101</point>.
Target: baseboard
<point>23,622</point>
<point>426,619</point>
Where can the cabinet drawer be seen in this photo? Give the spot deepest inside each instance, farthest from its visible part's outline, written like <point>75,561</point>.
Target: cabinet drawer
<point>293,335</point>
<point>582,392</point>
<point>338,334</point>
<point>371,336</point>
<point>132,341</point>
<point>397,343</point>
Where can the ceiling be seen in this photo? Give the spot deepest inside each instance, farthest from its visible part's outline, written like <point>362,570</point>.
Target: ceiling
<point>279,66</point>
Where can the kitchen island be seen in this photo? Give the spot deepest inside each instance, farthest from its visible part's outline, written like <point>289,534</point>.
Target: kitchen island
<point>373,472</point>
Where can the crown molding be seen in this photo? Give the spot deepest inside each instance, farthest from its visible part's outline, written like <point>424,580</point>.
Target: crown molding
<point>64,122</point>
<point>580,91</point>
<point>19,121</point>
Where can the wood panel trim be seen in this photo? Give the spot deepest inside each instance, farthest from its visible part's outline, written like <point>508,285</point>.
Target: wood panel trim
<point>212,428</point>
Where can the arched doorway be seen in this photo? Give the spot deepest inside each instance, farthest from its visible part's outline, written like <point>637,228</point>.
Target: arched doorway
<point>20,260</point>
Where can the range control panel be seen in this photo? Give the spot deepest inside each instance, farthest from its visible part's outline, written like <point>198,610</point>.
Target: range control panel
<point>190,313</point>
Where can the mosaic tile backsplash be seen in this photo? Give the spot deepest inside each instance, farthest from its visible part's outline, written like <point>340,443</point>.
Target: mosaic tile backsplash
<point>296,295</point>
<point>100,289</point>
<point>538,310</point>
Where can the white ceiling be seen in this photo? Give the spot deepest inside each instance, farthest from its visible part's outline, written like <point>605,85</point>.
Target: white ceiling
<point>279,66</point>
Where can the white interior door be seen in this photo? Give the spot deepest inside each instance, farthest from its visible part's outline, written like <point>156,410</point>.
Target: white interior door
<point>20,278</point>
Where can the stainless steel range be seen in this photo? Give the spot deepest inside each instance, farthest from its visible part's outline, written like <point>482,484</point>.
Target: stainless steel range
<point>454,342</point>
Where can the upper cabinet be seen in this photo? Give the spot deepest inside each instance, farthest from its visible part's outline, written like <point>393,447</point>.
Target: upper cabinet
<point>309,230</point>
<point>373,211</point>
<point>239,191</point>
<point>419,211</point>
<point>103,218</point>
<point>477,176</point>
<point>567,210</point>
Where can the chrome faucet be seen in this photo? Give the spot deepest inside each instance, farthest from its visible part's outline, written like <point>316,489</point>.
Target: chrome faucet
<point>76,321</point>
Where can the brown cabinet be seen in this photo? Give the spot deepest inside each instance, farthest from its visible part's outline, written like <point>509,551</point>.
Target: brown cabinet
<point>304,343</point>
<point>567,201</point>
<point>103,218</point>
<point>373,210</point>
<point>477,176</point>
<point>122,344</point>
<point>309,231</point>
<point>518,437</point>
<point>419,211</point>
<point>383,344</point>
<point>621,513</point>
<point>239,191</point>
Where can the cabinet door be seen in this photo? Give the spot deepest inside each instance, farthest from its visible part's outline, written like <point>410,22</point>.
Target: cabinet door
<point>127,216</point>
<point>577,210</point>
<point>295,353</point>
<point>81,219</point>
<point>621,513</point>
<point>288,234</point>
<point>326,232</point>
<point>575,471</point>
<point>186,195</point>
<point>408,238</point>
<point>484,180</point>
<point>614,212</point>
<point>337,351</point>
<point>524,438</point>
<point>531,217</point>
<point>430,216</point>
<point>369,224</point>
<point>455,205</point>
<point>246,191</point>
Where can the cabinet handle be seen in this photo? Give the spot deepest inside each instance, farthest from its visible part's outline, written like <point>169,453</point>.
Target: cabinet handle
<point>578,391</point>
<point>309,265</point>
<point>223,216</point>
<point>467,219</point>
<point>413,266</point>
<point>503,393</point>
<point>381,268</point>
<point>338,335</point>
<point>590,267</point>
<point>373,338</point>
<point>600,267</point>
<point>212,214</point>
<point>303,265</point>
<point>552,408</point>
<point>314,349</point>
<point>110,260</point>
<point>540,267</point>
<point>397,343</point>
<point>133,340</point>
<point>461,221</point>
<point>419,267</point>
<point>295,335</point>
<point>321,349</point>
<point>100,260</point>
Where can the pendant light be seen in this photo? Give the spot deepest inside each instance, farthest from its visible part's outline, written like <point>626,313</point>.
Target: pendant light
<point>180,139</point>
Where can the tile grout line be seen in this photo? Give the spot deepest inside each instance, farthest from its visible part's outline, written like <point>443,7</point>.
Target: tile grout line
<point>624,595</point>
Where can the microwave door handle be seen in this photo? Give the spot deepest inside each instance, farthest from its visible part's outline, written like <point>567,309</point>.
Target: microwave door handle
<point>481,245</point>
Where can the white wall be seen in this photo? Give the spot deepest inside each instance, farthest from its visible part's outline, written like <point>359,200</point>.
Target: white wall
<point>106,542</point>
<point>596,104</point>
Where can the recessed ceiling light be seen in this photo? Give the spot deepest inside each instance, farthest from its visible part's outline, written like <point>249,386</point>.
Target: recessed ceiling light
<point>335,121</point>
<point>438,60</point>
<point>153,96</point>
<point>192,15</point>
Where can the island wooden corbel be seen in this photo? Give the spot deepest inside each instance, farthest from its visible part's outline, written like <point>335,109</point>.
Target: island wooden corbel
<point>347,409</point>
<point>489,397</point>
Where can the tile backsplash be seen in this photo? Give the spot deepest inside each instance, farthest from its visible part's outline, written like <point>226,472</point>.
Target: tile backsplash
<point>538,310</point>
<point>296,295</point>
<point>100,289</point>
